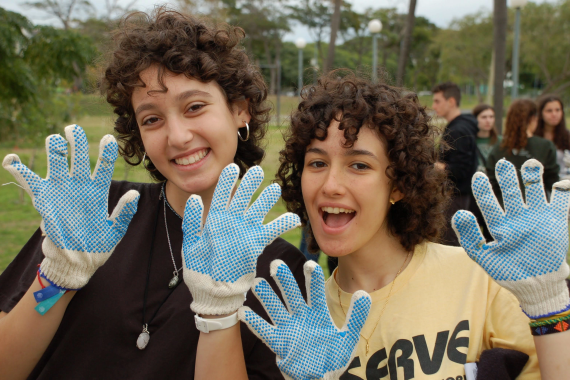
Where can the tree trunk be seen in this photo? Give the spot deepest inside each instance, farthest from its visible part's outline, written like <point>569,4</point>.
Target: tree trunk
<point>499,47</point>
<point>403,59</point>
<point>490,83</point>
<point>335,24</point>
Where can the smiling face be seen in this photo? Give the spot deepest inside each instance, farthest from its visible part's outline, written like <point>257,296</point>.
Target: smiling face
<point>189,132</point>
<point>346,191</point>
<point>486,120</point>
<point>552,113</point>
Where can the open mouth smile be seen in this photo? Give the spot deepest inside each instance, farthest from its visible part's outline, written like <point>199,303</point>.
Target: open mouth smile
<point>336,217</point>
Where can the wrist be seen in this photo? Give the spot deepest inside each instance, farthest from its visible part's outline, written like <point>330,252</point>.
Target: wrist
<point>207,325</point>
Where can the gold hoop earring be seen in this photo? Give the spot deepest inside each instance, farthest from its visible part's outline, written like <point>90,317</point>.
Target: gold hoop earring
<point>247,134</point>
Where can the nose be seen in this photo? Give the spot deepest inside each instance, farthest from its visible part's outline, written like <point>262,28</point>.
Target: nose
<point>179,133</point>
<point>334,185</point>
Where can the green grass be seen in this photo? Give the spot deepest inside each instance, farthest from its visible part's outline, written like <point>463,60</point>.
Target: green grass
<point>19,219</point>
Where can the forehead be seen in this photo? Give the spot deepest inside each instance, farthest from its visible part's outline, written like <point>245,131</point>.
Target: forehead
<point>334,143</point>
<point>163,83</point>
<point>553,104</point>
<point>438,96</point>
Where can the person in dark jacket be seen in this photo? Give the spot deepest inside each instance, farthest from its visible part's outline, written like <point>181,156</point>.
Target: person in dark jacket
<point>459,153</point>
<point>519,145</point>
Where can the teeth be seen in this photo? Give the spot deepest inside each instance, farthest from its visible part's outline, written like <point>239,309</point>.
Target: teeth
<point>192,158</point>
<point>336,210</point>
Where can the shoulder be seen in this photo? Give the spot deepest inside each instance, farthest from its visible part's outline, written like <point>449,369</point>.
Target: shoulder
<point>119,188</point>
<point>280,249</point>
<point>453,260</point>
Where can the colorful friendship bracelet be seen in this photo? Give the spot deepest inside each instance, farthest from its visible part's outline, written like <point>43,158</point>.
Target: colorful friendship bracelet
<point>48,295</point>
<point>549,321</point>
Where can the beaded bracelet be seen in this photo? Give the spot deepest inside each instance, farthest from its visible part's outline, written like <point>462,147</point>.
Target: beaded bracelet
<point>550,326</point>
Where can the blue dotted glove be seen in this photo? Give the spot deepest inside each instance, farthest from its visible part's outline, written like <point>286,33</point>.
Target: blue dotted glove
<point>304,337</point>
<point>528,256</point>
<point>80,234</point>
<point>220,260</point>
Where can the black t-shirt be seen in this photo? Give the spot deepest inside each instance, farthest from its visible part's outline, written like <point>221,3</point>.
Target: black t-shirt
<point>98,333</point>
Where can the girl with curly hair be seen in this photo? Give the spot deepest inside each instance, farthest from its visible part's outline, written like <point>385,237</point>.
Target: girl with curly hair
<point>359,165</point>
<point>188,103</point>
<point>519,145</point>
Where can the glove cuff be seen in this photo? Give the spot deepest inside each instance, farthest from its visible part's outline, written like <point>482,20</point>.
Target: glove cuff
<point>216,297</point>
<point>544,295</point>
<point>67,268</point>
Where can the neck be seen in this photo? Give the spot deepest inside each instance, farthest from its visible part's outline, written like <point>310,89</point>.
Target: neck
<point>549,128</point>
<point>452,114</point>
<point>372,267</point>
<point>529,134</point>
<point>483,134</point>
<point>178,197</point>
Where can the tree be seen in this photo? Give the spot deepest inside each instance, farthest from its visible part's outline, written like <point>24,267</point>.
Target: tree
<point>466,50</point>
<point>34,62</point>
<point>316,16</point>
<point>404,53</point>
<point>545,43</point>
<point>499,47</point>
<point>335,24</point>
<point>63,10</point>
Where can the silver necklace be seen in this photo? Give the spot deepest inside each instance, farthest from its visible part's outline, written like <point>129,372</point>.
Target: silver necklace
<point>175,279</point>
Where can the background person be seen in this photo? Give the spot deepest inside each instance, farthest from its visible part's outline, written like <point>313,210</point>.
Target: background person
<point>519,145</point>
<point>552,126</point>
<point>487,135</point>
<point>459,158</point>
<point>188,103</point>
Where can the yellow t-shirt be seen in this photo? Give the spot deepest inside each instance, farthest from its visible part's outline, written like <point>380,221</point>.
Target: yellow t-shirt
<point>443,312</point>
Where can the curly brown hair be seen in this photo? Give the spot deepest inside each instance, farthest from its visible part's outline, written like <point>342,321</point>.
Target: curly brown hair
<point>402,125</point>
<point>561,134</point>
<point>183,44</point>
<point>519,116</point>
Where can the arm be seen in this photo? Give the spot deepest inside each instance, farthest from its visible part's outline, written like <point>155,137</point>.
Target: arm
<point>220,263</point>
<point>26,334</point>
<point>460,158</point>
<point>80,237</point>
<point>528,256</point>
<point>551,167</point>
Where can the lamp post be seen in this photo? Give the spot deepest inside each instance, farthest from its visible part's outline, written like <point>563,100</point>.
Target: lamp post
<point>374,26</point>
<point>517,4</point>
<point>300,43</point>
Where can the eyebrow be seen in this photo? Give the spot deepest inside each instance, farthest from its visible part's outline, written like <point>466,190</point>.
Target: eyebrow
<point>182,96</point>
<point>347,152</point>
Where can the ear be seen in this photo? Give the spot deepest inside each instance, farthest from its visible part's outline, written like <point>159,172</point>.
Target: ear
<point>240,112</point>
<point>452,102</point>
<point>396,195</point>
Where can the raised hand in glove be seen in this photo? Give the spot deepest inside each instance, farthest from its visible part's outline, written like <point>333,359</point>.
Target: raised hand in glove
<point>80,234</point>
<point>304,337</point>
<point>220,259</point>
<point>528,256</point>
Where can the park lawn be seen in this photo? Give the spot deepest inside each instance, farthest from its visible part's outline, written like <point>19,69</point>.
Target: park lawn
<point>19,219</point>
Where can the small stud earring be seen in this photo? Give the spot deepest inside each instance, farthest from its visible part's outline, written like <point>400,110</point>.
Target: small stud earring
<point>392,201</point>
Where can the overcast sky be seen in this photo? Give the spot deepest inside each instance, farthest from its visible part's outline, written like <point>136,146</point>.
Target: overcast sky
<point>440,12</point>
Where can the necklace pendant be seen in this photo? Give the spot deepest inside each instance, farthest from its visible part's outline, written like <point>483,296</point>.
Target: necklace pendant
<point>174,281</point>
<point>143,339</point>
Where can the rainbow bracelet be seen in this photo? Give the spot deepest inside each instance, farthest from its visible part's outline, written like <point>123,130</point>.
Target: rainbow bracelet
<point>550,326</point>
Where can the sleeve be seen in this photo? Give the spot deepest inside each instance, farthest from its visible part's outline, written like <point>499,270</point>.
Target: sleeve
<point>20,274</point>
<point>459,159</point>
<point>551,168</point>
<point>506,326</point>
<point>260,361</point>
